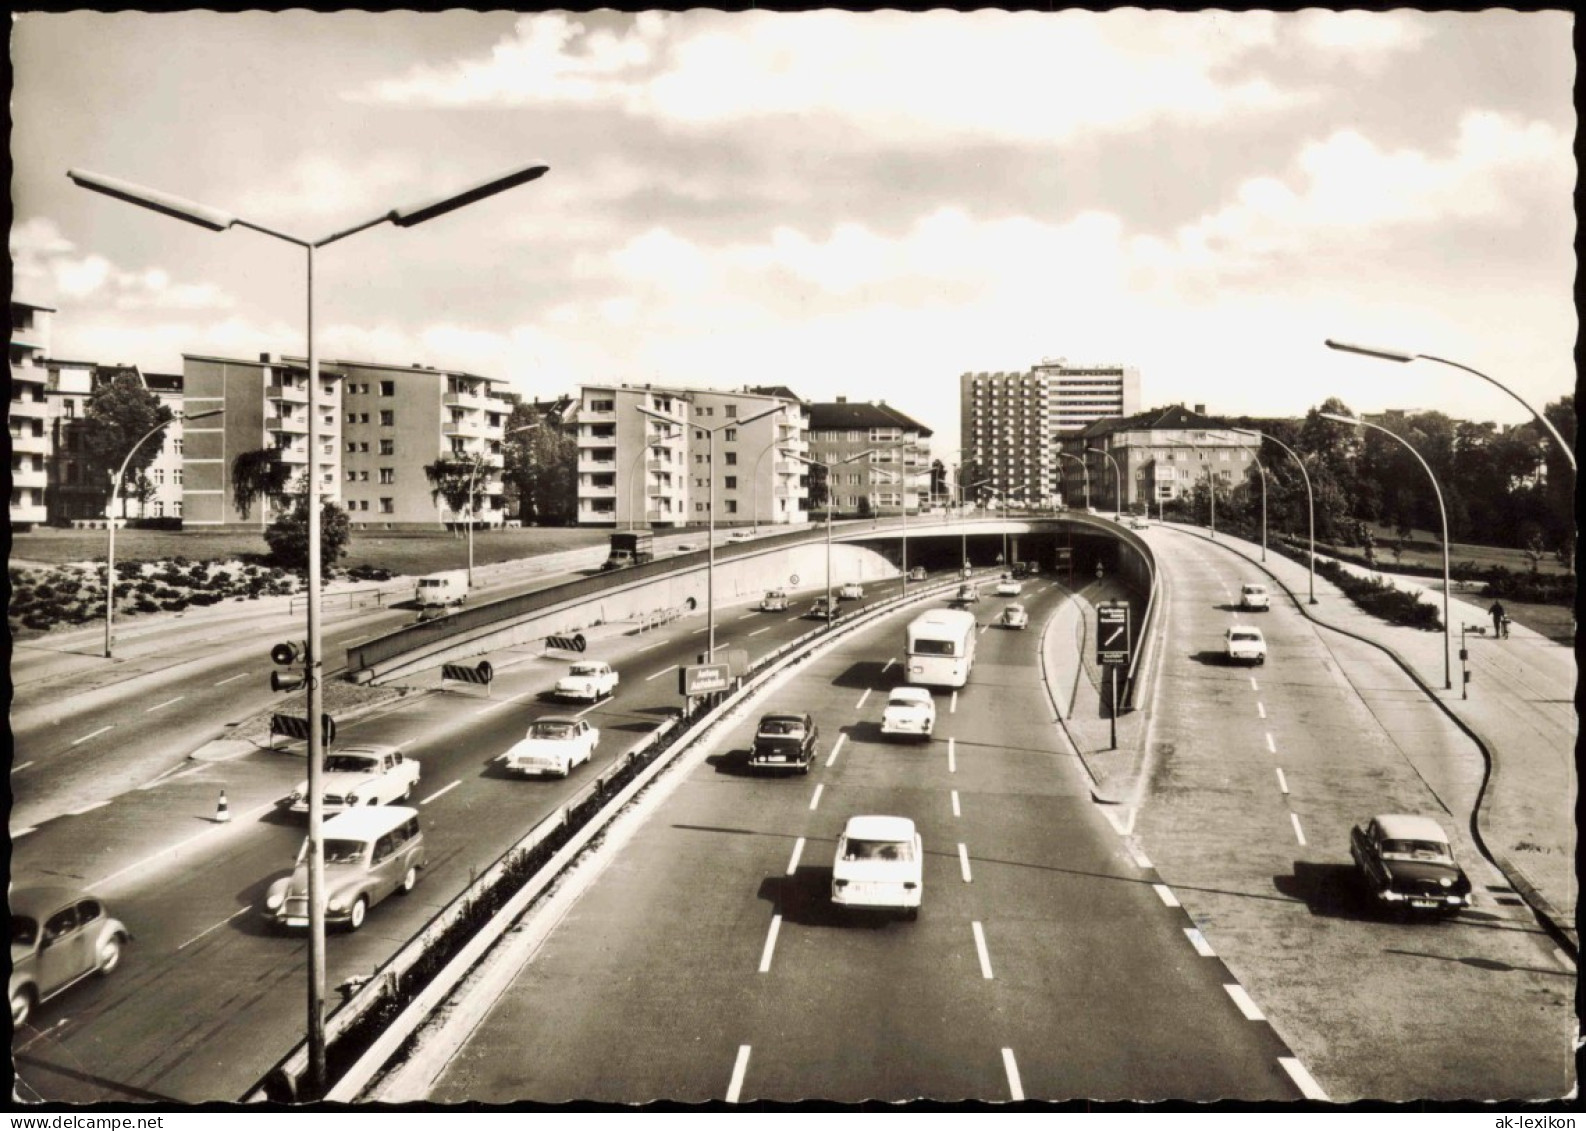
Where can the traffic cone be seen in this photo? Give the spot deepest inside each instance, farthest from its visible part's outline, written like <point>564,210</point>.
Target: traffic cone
<point>222,814</point>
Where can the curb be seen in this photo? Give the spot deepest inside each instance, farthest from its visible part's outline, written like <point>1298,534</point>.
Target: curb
<point>1553,921</point>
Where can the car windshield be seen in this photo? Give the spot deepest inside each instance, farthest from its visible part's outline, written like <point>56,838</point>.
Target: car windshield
<point>966,591</point>
<point>789,727</point>
<point>1244,636</point>
<point>1416,850</point>
<point>583,669</point>
<point>551,730</point>
<point>854,849</point>
<point>1255,589</point>
<point>24,930</point>
<point>903,698</point>
<point>350,764</point>
<point>343,851</point>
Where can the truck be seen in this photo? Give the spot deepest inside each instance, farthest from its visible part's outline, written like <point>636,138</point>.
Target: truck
<point>630,548</point>
<point>450,587</point>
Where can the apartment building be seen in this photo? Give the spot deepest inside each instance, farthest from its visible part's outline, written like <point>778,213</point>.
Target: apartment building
<point>1083,394</point>
<point>76,491</point>
<point>661,466</point>
<point>378,426</point>
<point>29,413</point>
<point>1159,455</point>
<point>896,469</point>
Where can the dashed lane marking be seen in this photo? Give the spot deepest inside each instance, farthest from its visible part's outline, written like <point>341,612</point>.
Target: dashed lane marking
<point>1011,1068</point>
<point>23,766</point>
<point>816,799</point>
<point>770,944</point>
<point>888,664</point>
<point>1261,708</point>
<point>963,863</point>
<point>956,813</point>
<point>798,850</point>
<point>230,678</point>
<point>1253,685</point>
<point>739,1068</point>
<point>1303,1080</point>
<point>1198,941</point>
<point>862,699</point>
<point>1283,783</point>
<point>503,702</point>
<point>1272,747</point>
<point>1140,859</point>
<point>1243,1000</point>
<point>836,746</point>
<point>1165,894</point>
<point>952,757</point>
<point>215,927</point>
<point>647,647</point>
<point>980,949</point>
<point>758,631</point>
<point>442,790</point>
<point>1299,833</point>
<point>746,616</point>
<point>95,734</point>
<point>952,704</point>
<point>662,672</point>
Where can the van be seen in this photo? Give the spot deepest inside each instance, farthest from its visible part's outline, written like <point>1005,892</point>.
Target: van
<point>369,853</point>
<point>440,590</point>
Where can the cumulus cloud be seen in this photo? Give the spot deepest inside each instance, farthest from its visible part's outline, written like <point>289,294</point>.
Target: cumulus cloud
<point>47,261</point>
<point>321,185</point>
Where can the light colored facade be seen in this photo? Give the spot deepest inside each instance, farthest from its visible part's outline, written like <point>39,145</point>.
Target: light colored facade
<point>379,426</point>
<point>1080,395</point>
<point>1160,456</point>
<point>29,414</point>
<point>635,469</point>
<point>72,497</point>
<point>895,473</point>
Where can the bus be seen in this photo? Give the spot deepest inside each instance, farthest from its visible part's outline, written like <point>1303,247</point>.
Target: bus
<point>940,646</point>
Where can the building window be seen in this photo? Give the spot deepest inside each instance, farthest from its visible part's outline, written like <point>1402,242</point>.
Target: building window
<point>352,446</point>
<point>363,418</point>
<point>352,477</point>
<point>388,388</point>
<point>387,417</point>
<point>387,447</point>
<point>387,506</point>
<point>329,449</point>
<point>363,504</point>
<point>732,505</point>
<point>352,417</point>
<point>732,459</point>
<point>363,477</point>
<point>363,446</point>
<point>732,412</point>
<point>732,483</point>
<point>176,476</point>
<point>729,434</point>
<point>387,475</point>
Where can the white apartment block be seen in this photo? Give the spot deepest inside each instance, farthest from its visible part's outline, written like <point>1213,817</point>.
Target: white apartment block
<point>28,418</point>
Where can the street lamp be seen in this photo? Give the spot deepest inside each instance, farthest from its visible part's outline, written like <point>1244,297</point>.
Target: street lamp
<point>643,500</point>
<point>830,500</point>
<point>710,513</point>
<point>963,531</point>
<point>473,473</point>
<point>216,220</point>
<point>1117,480</point>
<point>1310,498</point>
<point>1085,468</point>
<point>904,502</point>
<point>110,517</point>
<point>1448,628</point>
<point>1211,484</point>
<point>1402,356</point>
<point>1263,472</point>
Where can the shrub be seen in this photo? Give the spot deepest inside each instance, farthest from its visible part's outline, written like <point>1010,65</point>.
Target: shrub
<point>205,598</point>
<point>174,604</point>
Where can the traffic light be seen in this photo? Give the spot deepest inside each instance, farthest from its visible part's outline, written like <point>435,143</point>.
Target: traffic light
<point>289,654</point>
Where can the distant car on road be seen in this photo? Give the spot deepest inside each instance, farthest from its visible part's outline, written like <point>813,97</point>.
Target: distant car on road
<point>879,863</point>
<point>1406,862</point>
<point>917,573</point>
<point>909,711</point>
<point>1137,523</point>
<point>1091,510</point>
<point>851,591</point>
<point>59,936</point>
<point>784,741</point>
<point>588,681</point>
<point>966,595</point>
<point>1254,595</point>
<point>822,609</point>
<point>553,746</point>
<point>1245,645</point>
<point>361,775</point>
<point>774,601</point>
<point>1009,587</point>
<point>740,536</point>
<point>1014,616</point>
<point>369,853</point>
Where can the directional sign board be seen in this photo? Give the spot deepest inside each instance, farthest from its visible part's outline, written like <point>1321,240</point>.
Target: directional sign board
<point>702,679</point>
<point>1112,635</point>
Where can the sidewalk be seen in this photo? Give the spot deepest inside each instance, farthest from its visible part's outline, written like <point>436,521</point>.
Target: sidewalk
<point>1520,711</point>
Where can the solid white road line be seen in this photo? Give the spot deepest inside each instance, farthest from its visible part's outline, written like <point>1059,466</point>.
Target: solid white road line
<point>1272,747</point>
<point>586,710</point>
<point>816,800</point>
<point>662,672</point>
<point>740,1066</point>
<point>956,813</point>
<point>23,766</point>
<point>963,863</point>
<point>836,746</point>
<point>1244,1002</point>
<point>862,699</point>
<point>1261,708</point>
<point>647,647</point>
<point>16,833</point>
<point>1299,833</point>
<point>1011,1067</point>
<point>697,631</point>
<point>983,629</point>
<point>438,792</point>
<point>798,850</point>
<point>952,757</point>
<point>1303,1080</point>
<point>229,678</point>
<point>1140,859</point>
<point>162,780</point>
<point>1165,894</point>
<point>952,705</point>
<point>888,664</point>
<point>95,734</point>
<point>1283,785</point>
<point>758,631</point>
<point>1198,941</point>
<point>215,927</point>
<point>770,944</point>
<point>980,949</point>
<point>87,809</point>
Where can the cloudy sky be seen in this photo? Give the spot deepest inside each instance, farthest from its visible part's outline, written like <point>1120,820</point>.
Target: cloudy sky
<point>850,204</point>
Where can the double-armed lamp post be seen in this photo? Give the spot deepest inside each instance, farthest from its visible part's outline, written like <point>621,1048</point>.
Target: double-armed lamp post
<point>473,474</point>
<point>216,220</point>
<point>831,500</point>
<point>1117,479</point>
<point>1085,470</point>
<point>1310,498</point>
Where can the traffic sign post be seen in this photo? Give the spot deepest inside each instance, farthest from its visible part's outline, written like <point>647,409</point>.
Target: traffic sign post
<point>1113,649</point>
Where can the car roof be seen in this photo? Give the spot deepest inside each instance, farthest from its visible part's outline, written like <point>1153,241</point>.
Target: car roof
<point>368,821</point>
<point>879,828</point>
<point>782,716</point>
<point>1249,632</point>
<point>1014,609</point>
<point>1403,826</point>
<point>376,749</point>
<point>910,693</point>
<point>1254,585</point>
<point>38,901</point>
<point>565,719</point>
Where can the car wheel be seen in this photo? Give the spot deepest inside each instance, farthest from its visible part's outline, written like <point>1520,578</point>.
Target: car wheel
<point>21,1007</point>
<point>410,879</point>
<point>109,956</point>
<point>912,914</point>
<point>407,794</point>
<point>355,917</point>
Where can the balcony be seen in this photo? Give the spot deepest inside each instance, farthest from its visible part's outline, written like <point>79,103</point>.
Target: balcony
<point>297,394</point>
<point>585,412</point>
<point>292,455</point>
<point>29,479</point>
<point>597,491</point>
<point>660,465</point>
<point>294,424</point>
<point>29,409</point>
<point>595,464</point>
<point>475,428</point>
<point>28,442</point>
<point>468,400</point>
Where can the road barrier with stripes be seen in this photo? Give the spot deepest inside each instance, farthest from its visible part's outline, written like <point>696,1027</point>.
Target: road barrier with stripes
<point>573,643</point>
<point>479,673</point>
<point>294,727</point>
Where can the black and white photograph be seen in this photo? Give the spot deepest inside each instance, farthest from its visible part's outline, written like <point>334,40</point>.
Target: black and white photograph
<point>873,560</point>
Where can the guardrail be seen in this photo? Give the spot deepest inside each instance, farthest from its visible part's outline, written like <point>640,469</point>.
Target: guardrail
<point>409,985</point>
<point>378,596</point>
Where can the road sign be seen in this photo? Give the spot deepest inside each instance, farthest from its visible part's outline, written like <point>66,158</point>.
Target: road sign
<point>1112,635</point>
<point>703,679</point>
<point>736,659</point>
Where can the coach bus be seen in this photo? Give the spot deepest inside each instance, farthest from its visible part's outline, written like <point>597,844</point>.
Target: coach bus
<point>940,646</point>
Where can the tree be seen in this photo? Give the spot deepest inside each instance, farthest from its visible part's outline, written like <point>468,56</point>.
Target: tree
<point>938,480</point>
<point>459,479</point>
<point>815,491</point>
<point>865,509</point>
<point>287,536</point>
<point>119,413</point>
<point>257,475</point>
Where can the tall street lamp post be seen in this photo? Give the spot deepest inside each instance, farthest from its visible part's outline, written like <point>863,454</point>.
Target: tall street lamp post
<point>903,476</point>
<point>1310,498</point>
<point>110,517</point>
<point>1402,356</point>
<point>1085,470</point>
<point>710,513</point>
<point>473,474</point>
<point>1257,460</point>
<point>1117,479</point>
<point>963,531</point>
<point>1448,628</point>
<point>830,506</point>
<point>1211,484</point>
<point>216,220</point>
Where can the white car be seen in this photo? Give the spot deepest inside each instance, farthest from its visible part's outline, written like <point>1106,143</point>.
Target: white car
<point>739,536</point>
<point>851,591</point>
<point>909,711</point>
<point>587,680</point>
<point>879,863</point>
<point>1246,645</point>
<point>1253,595</point>
<point>360,775</point>
<point>774,601</point>
<point>1009,587</point>
<point>1014,616</point>
<point>552,747</point>
<point>1137,523</point>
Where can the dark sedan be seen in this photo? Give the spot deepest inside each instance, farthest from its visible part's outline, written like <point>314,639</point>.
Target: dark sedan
<point>1406,863</point>
<point>784,742</point>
